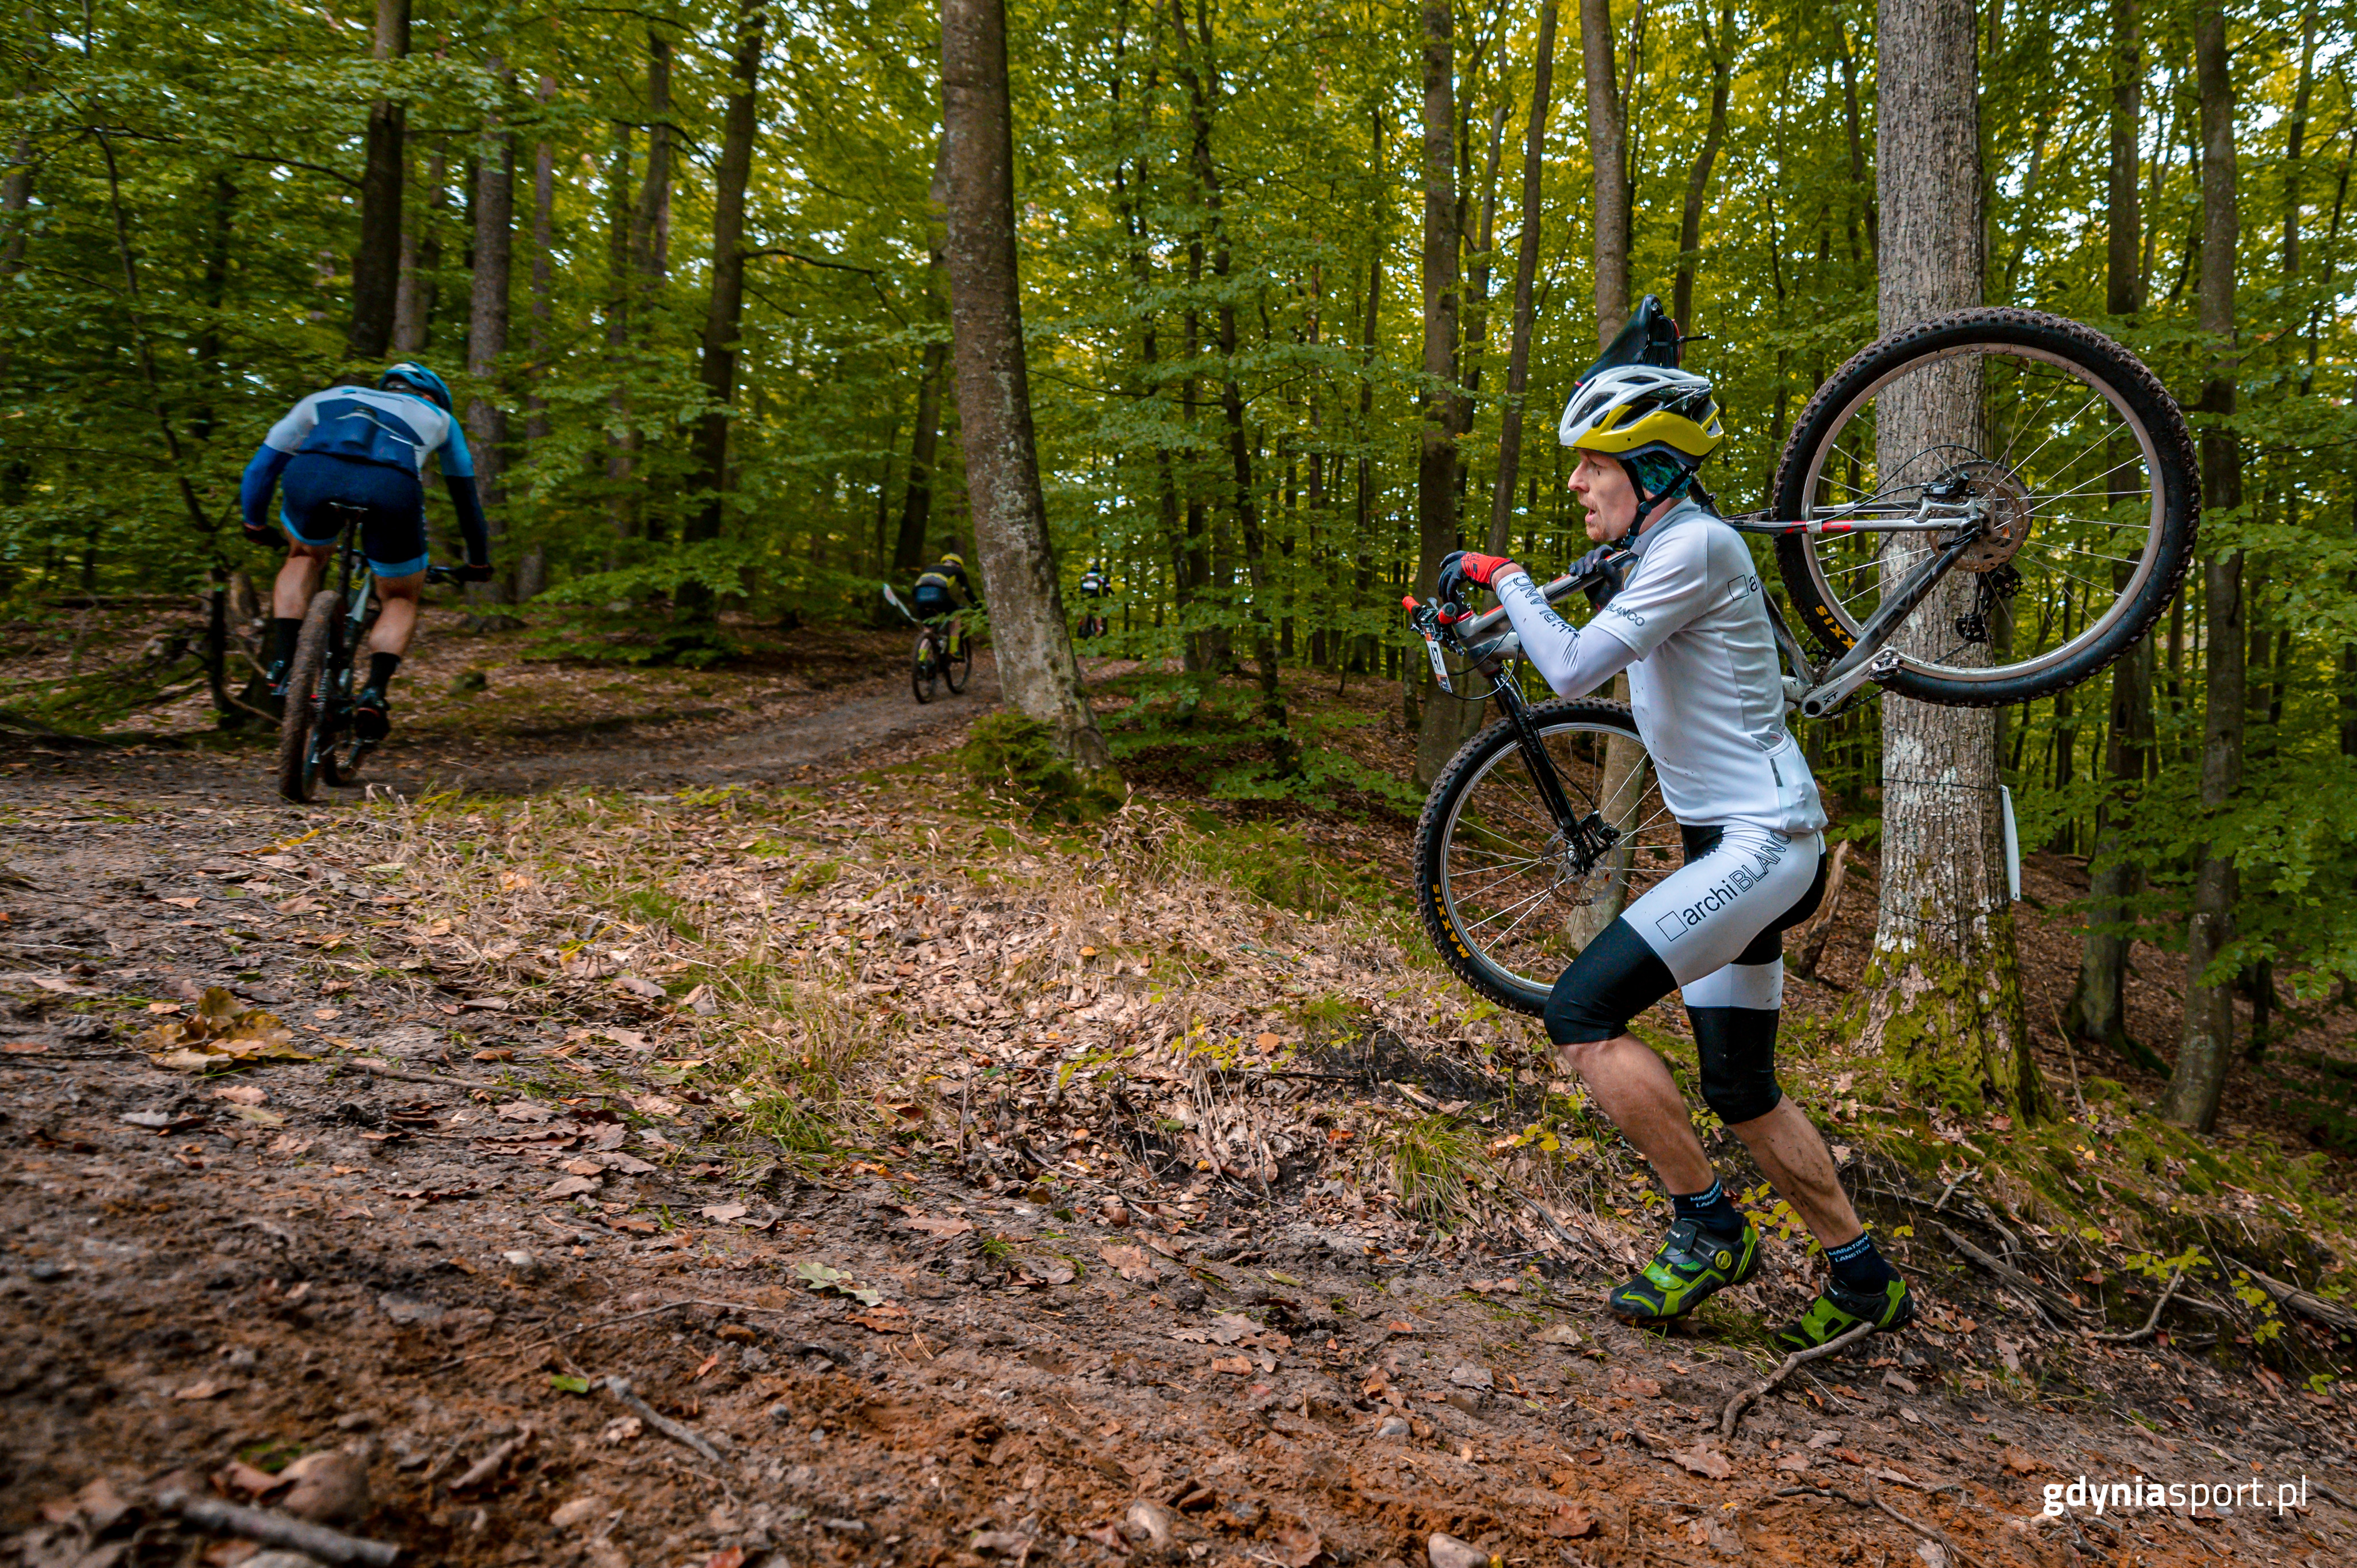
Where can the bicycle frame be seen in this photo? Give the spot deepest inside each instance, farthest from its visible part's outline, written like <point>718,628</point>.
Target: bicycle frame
<point>1815,690</point>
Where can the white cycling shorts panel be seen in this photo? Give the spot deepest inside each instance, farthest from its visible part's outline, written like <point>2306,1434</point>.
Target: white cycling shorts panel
<point>1701,917</point>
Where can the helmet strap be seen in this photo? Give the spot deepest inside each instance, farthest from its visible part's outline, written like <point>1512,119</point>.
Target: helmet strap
<point>1647,499</point>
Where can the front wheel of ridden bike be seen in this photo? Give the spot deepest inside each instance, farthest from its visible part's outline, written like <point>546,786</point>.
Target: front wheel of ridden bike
<point>308,697</point>
<point>2082,469</point>
<point>926,669</point>
<point>1508,897</point>
<point>957,660</point>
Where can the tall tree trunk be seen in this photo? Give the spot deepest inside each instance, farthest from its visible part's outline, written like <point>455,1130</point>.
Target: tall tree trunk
<point>1442,728</point>
<point>1036,666</point>
<point>1607,155</point>
<point>917,505</point>
<point>621,515</point>
<point>723,321</point>
<point>1943,993</point>
<point>1722,55</point>
<point>421,258</point>
<point>531,562</point>
<point>213,293</point>
<point>1526,269</point>
<point>649,242</point>
<point>2097,1011</point>
<point>487,342</point>
<point>1364,493</point>
<point>376,264</point>
<point>2206,1044</point>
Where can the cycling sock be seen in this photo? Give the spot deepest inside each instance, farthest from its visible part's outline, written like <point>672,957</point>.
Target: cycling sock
<point>381,669</point>
<point>1858,1267</point>
<point>284,632</point>
<point>1711,1208</point>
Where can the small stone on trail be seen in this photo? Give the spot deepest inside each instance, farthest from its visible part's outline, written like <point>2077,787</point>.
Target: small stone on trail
<point>579,1510</point>
<point>1470,1377</point>
<point>1148,1521</point>
<point>1393,1427</point>
<point>1447,1551</point>
<point>330,1488</point>
<point>1904,1385</point>
<point>1561,1333</point>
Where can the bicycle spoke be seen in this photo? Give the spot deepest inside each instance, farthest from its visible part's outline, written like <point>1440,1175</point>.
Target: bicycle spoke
<point>2017,467</point>
<point>1502,914</point>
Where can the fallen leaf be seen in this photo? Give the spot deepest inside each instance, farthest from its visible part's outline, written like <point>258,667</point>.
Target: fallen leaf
<point>484,1004</point>
<point>637,987</point>
<point>723,1212</point>
<point>1130,1262</point>
<point>939,1225</point>
<point>821,1277</point>
<point>572,1186</point>
<point>1704,1461</point>
<point>1469,1376</point>
<point>621,1429</point>
<point>205,1390</point>
<point>1498,1287</point>
<point>181,903</point>
<point>1233,1366</point>
<point>1796,1461</point>
<point>1570,1521</point>
<point>1560,1334</point>
<point>2020,1462</point>
<point>726,1557</point>
<point>567,1384</point>
<point>1904,1385</point>
<point>1297,1546</point>
<point>24,1048</point>
<point>885,1319</point>
<point>1051,1270</point>
<point>1628,1383</point>
<point>241,1094</point>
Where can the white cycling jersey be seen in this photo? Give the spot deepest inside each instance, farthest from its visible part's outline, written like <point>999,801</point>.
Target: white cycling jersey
<point>1705,681</point>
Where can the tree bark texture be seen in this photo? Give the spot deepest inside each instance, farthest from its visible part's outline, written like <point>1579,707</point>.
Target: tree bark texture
<point>622,516</point>
<point>2097,1011</point>
<point>1526,270</point>
<point>376,263</point>
<point>1943,993</point>
<point>1607,155</point>
<point>917,504</point>
<point>1033,643</point>
<point>1442,730</point>
<point>2207,1043</point>
<point>531,562</point>
<point>1721,45</point>
<point>724,318</point>
<point>487,339</point>
<point>421,259</point>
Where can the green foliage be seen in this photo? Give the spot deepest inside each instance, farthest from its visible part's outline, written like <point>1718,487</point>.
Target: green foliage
<point>1010,752</point>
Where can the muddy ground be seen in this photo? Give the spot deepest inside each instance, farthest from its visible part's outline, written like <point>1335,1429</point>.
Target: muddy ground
<point>989,1338</point>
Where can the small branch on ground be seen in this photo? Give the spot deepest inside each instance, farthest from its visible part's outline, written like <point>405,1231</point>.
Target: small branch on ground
<point>687,1436</point>
<point>2150,1324</point>
<point>386,1069</point>
<point>277,1530</point>
<point>1792,1363</point>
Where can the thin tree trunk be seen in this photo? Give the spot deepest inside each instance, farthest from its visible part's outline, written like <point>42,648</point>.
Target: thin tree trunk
<point>1526,269</point>
<point>1722,50</point>
<point>2098,1007</point>
<point>376,264</point>
<point>487,342</point>
<point>2206,1044</point>
<point>1364,495</point>
<point>917,504</point>
<point>1036,667</point>
<point>531,562</point>
<point>649,242</point>
<point>220,213</point>
<point>421,258</point>
<point>1441,730</point>
<point>1607,155</point>
<point>622,516</point>
<point>1943,993</point>
<point>723,320</point>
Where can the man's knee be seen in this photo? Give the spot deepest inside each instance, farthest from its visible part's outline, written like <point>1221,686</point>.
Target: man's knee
<point>400,587</point>
<point>1736,1048</point>
<point>1614,977</point>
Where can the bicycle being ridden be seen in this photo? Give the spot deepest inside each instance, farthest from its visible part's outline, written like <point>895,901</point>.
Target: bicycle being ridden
<point>944,650</point>
<point>1580,860</point>
<point>358,455</point>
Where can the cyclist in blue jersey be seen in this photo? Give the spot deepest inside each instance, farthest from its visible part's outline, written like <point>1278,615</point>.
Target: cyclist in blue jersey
<point>365,447</point>
<point>942,590</point>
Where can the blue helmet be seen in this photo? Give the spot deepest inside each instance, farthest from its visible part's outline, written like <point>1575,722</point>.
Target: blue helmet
<point>409,376</point>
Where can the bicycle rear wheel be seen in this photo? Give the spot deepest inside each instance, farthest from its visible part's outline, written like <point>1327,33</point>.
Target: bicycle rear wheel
<point>308,679</point>
<point>2079,454</point>
<point>957,667</point>
<point>1496,883</point>
<point>926,669</point>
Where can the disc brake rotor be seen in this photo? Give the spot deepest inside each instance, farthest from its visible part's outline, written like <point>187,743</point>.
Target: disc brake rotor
<point>2008,511</point>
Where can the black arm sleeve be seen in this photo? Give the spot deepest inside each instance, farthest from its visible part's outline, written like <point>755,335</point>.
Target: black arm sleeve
<point>470,508</point>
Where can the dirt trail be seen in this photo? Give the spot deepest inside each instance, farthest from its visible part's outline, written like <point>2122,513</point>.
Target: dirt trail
<point>431,1274</point>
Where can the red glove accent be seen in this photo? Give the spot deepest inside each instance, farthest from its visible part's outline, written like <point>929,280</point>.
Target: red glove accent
<point>1483,569</point>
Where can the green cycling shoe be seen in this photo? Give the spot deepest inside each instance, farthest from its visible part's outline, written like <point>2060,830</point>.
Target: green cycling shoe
<point>1689,1267</point>
<point>1837,1311</point>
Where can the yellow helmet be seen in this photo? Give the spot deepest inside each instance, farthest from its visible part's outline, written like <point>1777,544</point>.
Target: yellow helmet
<point>953,559</point>
<point>1630,408</point>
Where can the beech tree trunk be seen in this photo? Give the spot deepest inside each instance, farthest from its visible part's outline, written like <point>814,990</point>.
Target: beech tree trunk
<point>1033,642</point>
<point>487,342</point>
<point>1526,269</point>
<point>2206,1044</point>
<point>1607,155</point>
<point>376,264</point>
<point>650,266</point>
<point>1943,990</point>
<point>1442,729</point>
<point>917,505</point>
<point>421,258</point>
<point>531,562</point>
<point>723,320</point>
<point>622,516</point>
<point>1722,51</point>
<point>2097,1011</point>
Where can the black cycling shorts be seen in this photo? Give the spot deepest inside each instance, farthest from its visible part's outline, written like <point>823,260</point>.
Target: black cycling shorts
<point>390,501</point>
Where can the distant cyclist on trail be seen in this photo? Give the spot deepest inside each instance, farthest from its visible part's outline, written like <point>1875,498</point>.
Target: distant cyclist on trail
<point>1094,585</point>
<point>1680,609</point>
<point>366,448</point>
<point>943,589</point>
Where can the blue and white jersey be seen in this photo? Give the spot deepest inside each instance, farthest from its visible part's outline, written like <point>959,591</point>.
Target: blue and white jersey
<point>369,424</point>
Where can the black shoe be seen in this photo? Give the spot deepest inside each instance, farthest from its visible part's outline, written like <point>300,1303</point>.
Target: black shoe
<point>276,678</point>
<point>1690,1266</point>
<point>371,715</point>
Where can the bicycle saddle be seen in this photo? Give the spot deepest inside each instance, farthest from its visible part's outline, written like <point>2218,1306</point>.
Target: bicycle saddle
<point>1651,337</point>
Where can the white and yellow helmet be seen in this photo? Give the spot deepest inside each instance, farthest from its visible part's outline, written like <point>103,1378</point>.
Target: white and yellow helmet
<point>1629,408</point>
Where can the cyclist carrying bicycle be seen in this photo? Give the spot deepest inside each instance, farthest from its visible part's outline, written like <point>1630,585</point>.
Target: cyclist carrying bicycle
<point>363,448</point>
<point>942,590</point>
<point>1680,609</point>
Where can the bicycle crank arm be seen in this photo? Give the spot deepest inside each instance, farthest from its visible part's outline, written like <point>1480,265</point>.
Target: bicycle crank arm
<point>1869,659</point>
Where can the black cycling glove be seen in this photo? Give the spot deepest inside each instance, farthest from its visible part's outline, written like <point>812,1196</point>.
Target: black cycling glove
<point>474,572</point>
<point>1606,567</point>
<point>262,534</point>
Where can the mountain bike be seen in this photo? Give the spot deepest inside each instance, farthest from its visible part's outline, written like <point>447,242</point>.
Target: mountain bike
<point>2027,455</point>
<point>316,743</point>
<point>944,651</point>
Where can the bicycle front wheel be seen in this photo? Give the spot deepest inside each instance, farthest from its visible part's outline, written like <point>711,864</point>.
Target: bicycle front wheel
<point>926,669</point>
<point>308,679</point>
<point>2082,464</point>
<point>1497,883</point>
<point>957,667</point>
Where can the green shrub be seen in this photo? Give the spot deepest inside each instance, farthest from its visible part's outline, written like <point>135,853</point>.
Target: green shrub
<point>1010,754</point>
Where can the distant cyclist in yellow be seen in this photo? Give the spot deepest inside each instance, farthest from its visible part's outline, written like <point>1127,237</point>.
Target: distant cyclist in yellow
<point>942,590</point>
